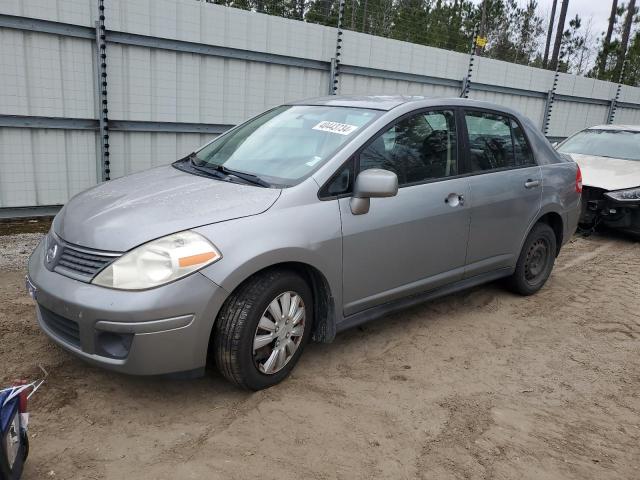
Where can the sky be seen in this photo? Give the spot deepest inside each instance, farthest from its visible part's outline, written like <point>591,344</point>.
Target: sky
<point>597,10</point>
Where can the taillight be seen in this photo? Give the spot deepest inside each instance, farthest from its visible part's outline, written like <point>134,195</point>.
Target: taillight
<point>578,180</point>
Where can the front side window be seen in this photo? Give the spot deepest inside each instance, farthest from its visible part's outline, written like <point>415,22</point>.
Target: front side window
<point>418,148</point>
<point>286,144</point>
<point>623,144</point>
<point>496,142</point>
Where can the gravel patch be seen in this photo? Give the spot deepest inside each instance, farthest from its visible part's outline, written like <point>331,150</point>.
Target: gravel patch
<point>15,250</point>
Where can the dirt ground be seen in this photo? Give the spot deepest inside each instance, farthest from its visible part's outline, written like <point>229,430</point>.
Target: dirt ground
<point>478,385</point>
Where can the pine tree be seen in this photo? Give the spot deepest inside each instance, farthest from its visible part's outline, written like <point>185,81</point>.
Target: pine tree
<point>550,33</point>
<point>626,32</point>
<point>606,44</point>
<point>559,32</point>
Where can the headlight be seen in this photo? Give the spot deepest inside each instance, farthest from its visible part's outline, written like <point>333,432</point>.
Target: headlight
<point>158,262</point>
<point>631,195</point>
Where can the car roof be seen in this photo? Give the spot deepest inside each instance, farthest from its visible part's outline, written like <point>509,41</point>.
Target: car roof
<point>388,102</point>
<point>629,128</point>
<point>377,102</point>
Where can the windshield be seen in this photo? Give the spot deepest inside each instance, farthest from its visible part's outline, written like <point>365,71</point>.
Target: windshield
<point>286,144</point>
<point>622,144</point>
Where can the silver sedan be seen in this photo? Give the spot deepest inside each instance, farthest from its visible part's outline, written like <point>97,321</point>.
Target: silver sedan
<point>309,219</point>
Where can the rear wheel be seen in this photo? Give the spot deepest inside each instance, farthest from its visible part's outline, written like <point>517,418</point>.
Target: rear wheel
<point>535,261</point>
<point>262,329</point>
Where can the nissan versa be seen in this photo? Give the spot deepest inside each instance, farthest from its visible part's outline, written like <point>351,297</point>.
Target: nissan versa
<point>308,219</point>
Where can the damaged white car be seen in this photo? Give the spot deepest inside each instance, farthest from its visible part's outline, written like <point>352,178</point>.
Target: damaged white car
<point>609,158</point>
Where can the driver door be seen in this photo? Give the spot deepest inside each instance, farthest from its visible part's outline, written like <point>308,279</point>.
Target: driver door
<point>417,240</point>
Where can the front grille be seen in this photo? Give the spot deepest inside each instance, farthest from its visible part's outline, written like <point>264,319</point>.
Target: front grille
<point>79,263</point>
<point>62,327</point>
<point>82,261</point>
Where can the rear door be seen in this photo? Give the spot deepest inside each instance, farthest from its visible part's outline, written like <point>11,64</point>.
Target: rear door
<point>505,189</point>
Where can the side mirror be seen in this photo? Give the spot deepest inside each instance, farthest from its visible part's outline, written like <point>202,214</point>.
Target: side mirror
<point>372,183</point>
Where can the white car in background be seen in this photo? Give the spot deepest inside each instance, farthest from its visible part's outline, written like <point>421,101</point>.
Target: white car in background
<point>609,158</point>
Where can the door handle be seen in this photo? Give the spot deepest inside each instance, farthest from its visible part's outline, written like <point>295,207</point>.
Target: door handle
<point>454,200</point>
<point>531,183</point>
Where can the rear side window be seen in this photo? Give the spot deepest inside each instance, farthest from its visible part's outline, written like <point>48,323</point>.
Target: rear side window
<point>496,142</point>
<point>417,148</point>
<point>523,153</point>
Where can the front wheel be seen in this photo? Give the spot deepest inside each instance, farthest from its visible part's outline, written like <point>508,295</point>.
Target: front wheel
<point>262,329</point>
<point>535,261</point>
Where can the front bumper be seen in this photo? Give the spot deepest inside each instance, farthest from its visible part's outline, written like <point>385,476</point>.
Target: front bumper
<point>151,332</point>
<point>598,208</point>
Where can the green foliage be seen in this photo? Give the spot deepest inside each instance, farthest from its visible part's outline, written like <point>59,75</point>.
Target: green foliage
<point>610,53</point>
<point>514,29</point>
<point>281,8</point>
<point>442,24</point>
<point>513,32</point>
<point>632,70</point>
<point>574,55</point>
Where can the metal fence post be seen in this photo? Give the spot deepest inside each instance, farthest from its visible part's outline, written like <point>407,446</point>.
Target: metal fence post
<point>334,75</point>
<point>551,96</point>
<point>613,106</point>
<point>466,81</point>
<point>103,167</point>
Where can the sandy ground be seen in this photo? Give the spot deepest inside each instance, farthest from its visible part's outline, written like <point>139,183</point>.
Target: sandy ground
<point>482,384</point>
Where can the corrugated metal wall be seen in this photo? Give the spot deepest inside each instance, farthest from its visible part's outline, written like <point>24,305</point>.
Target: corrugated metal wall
<point>135,151</point>
<point>45,166</point>
<point>53,75</point>
<point>49,76</point>
<point>629,116</point>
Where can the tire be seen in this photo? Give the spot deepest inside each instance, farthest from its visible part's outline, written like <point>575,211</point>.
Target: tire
<point>236,329</point>
<point>535,261</point>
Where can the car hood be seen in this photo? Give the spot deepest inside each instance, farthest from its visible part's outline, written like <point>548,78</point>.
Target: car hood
<point>120,214</point>
<point>608,173</point>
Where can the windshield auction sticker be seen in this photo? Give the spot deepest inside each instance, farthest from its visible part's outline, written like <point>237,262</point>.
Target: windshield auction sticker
<point>335,127</point>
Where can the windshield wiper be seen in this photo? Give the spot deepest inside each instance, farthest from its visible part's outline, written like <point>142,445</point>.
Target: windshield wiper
<point>247,177</point>
<point>208,171</point>
<point>192,157</point>
<point>223,172</point>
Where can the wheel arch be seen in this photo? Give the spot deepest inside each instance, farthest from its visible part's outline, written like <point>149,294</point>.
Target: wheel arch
<point>554,220</point>
<point>324,325</point>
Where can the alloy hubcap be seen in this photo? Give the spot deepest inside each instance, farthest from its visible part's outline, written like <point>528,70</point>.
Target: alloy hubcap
<point>537,257</point>
<point>279,333</point>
